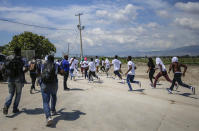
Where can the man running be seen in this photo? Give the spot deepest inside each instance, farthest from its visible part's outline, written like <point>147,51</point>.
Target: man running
<point>163,72</point>
<point>176,67</point>
<point>103,63</point>
<point>92,70</point>
<point>86,67</point>
<point>117,67</point>
<point>131,73</point>
<point>97,63</point>
<point>107,66</point>
<point>33,73</point>
<point>72,67</point>
<point>151,70</point>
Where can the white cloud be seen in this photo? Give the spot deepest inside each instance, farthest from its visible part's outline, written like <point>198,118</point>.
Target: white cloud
<point>192,7</point>
<point>188,23</point>
<point>163,13</point>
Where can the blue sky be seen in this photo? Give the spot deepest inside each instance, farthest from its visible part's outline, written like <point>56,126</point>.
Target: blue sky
<point>111,27</point>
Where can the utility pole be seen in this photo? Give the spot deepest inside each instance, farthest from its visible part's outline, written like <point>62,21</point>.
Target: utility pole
<point>68,50</point>
<point>80,27</point>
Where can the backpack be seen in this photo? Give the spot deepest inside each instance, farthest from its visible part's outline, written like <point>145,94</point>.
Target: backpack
<point>49,74</point>
<point>13,66</point>
<point>32,66</point>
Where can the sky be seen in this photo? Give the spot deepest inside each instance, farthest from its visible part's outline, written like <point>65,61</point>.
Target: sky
<point>111,26</point>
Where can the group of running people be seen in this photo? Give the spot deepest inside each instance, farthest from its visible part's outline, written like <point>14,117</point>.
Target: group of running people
<point>47,72</point>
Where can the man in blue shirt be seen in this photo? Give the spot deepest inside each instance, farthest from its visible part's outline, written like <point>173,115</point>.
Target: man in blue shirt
<point>65,66</point>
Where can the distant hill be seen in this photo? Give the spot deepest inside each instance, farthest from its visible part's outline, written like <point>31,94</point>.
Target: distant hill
<point>186,50</point>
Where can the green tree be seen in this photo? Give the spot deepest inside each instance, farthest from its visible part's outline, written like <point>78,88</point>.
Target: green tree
<point>30,41</point>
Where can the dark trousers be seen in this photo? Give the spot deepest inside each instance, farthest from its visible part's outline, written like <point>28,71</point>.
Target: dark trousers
<point>164,73</point>
<point>92,73</point>
<point>102,68</point>
<point>177,77</point>
<point>65,79</point>
<point>33,79</point>
<point>151,77</point>
<point>86,72</point>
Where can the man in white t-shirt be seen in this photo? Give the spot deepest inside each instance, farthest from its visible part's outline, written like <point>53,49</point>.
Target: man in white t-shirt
<point>163,72</point>
<point>103,65</point>
<point>107,66</point>
<point>82,66</point>
<point>97,63</point>
<point>92,70</point>
<point>131,73</point>
<point>117,66</point>
<point>72,63</point>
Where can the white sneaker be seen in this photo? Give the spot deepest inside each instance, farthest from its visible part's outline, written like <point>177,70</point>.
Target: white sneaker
<point>123,81</point>
<point>170,91</point>
<point>49,121</point>
<point>193,90</point>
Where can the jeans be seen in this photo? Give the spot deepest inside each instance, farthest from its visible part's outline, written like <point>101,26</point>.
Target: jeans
<point>14,88</point>
<point>117,73</point>
<point>65,80</point>
<point>129,80</point>
<point>71,73</point>
<point>49,92</point>
<point>177,77</point>
<point>33,79</point>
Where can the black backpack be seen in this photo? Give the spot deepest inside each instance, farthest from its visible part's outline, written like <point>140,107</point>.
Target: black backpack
<point>48,73</point>
<point>13,66</point>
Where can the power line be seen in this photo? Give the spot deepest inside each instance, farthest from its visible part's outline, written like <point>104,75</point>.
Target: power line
<point>37,26</point>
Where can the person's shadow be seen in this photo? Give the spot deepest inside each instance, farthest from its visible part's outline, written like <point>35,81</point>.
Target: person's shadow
<point>188,95</point>
<point>67,116</point>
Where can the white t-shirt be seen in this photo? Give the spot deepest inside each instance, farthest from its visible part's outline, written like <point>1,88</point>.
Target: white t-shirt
<point>97,62</point>
<point>76,63</point>
<point>85,63</point>
<point>72,66</point>
<point>107,63</point>
<point>159,62</point>
<point>82,64</point>
<point>92,66</point>
<point>116,63</point>
<point>132,71</point>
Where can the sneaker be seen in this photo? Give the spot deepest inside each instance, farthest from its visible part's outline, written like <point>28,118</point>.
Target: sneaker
<point>170,91</point>
<point>123,81</point>
<point>5,110</point>
<point>193,90</point>
<point>15,110</point>
<point>49,121</point>
<point>140,84</point>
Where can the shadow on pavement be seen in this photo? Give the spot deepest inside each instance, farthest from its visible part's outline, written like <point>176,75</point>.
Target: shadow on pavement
<point>67,116</point>
<point>188,95</point>
<point>35,111</point>
<point>76,89</point>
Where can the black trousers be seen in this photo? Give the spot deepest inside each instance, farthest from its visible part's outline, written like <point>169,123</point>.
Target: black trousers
<point>86,72</point>
<point>177,77</point>
<point>92,73</point>
<point>102,68</point>
<point>33,76</point>
<point>151,77</point>
<point>65,79</point>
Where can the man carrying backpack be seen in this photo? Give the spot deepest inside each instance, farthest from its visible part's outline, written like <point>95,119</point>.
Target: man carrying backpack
<point>14,71</point>
<point>49,87</point>
<point>33,74</point>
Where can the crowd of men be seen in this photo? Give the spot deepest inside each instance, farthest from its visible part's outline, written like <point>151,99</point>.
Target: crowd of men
<point>46,72</point>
